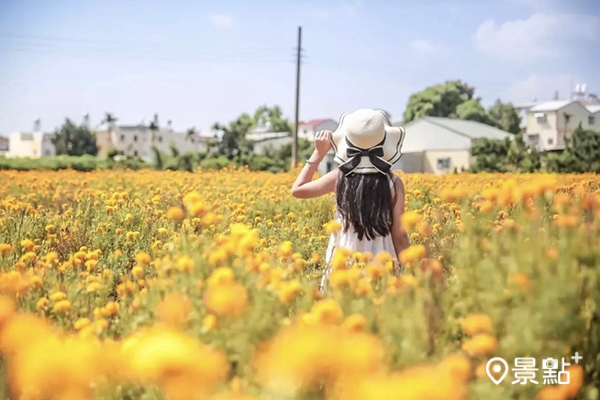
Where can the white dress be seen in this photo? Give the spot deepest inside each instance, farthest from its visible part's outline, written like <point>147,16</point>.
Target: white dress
<point>349,240</point>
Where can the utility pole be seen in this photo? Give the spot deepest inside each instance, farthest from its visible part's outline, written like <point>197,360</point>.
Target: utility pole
<point>295,135</point>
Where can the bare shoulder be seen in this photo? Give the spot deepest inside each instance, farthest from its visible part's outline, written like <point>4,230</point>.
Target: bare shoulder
<point>399,183</point>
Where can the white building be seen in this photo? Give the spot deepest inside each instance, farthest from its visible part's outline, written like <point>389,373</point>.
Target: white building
<point>440,145</point>
<point>137,141</point>
<point>30,145</point>
<point>308,129</point>
<point>550,123</point>
<point>3,146</point>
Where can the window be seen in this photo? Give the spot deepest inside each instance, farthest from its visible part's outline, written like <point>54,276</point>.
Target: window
<point>550,141</point>
<point>135,138</point>
<point>533,139</point>
<point>122,138</point>
<point>46,152</point>
<point>540,117</point>
<point>159,139</point>
<point>443,163</point>
<point>135,153</point>
<point>591,120</point>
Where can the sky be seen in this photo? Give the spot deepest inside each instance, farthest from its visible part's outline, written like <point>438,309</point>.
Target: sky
<point>200,62</point>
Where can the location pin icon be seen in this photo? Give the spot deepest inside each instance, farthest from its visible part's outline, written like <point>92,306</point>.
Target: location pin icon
<point>499,365</point>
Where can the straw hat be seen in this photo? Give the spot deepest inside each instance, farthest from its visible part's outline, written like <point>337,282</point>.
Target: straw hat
<point>365,143</point>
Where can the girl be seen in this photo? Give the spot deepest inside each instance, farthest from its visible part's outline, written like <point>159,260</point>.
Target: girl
<point>369,197</point>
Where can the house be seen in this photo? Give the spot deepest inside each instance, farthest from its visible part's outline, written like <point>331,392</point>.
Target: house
<point>263,139</point>
<point>30,145</point>
<point>548,124</point>
<point>3,145</point>
<point>440,145</point>
<point>521,110</point>
<point>138,140</point>
<point>308,129</point>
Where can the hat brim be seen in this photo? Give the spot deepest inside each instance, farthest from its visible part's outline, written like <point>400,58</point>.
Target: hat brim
<point>392,146</point>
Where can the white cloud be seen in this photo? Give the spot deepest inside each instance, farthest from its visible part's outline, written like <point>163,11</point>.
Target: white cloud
<point>540,36</point>
<point>423,47</point>
<point>221,20</point>
<point>537,5</point>
<point>541,87</point>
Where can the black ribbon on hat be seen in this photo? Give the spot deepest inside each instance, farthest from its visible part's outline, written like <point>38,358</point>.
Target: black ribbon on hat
<point>355,154</point>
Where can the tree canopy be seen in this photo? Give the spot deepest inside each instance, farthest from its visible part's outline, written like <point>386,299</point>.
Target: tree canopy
<point>74,140</point>
<point>581,155</point>
<point>456,99</point>
<point>233,143</point>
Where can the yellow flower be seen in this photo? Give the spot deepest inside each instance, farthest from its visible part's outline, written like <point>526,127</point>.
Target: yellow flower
<point>410,219</point>
<point>81,323</point>
<point>327,311</point>
<point>143,258</point>
<point>42,303</point>
<point>174,310</point>
<point>286,249</point>
<point>226,300</point>
<point>477,323</point>
<point>209,322</point>
<point>62,306</point>
<point>58,296</point>
<point>185,264</point>
<point>221,276</point>
<point>412,253</point>
<point>480,344</point>
<point>175,214</point>
<point>332,227</point>
<point>288,291</point>
<point>355,323</point>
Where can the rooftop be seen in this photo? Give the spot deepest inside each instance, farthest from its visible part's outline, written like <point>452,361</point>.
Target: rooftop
<point>553,105</point>
<point>315,122</point>
<point>436,133</point>
<point>593,108</point>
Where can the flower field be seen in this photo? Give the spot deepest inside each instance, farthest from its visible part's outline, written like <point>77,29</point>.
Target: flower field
<point>180,286</point>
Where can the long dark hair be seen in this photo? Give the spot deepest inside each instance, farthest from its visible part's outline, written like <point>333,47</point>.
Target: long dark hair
<point>365,203</point>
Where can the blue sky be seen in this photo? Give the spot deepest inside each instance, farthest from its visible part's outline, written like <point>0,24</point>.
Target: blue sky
<point>199,62</point>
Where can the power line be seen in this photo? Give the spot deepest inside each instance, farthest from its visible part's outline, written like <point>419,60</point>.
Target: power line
<point>191,56</point>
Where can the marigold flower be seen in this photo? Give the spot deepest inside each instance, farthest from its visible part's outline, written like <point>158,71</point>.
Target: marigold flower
<point>62,306</point>
<point>175,214</point>
<point>477,323</point>
<point>226,300</point>
<point>480,344</point>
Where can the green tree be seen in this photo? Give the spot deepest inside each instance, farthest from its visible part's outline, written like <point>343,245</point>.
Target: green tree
<point>504,155</point>
<point>233,143</point>
<point>522,157</point>
<point>490,155</point>
<point>505,117</point>
<point>472,110</point>
<point>154,127</point>
<point>273,117</point>
<point>74,140</point>
<point>582,153</point>
<point>439,100</point>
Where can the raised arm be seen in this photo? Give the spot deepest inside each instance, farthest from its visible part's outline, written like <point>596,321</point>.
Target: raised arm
<point>304,187</point>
